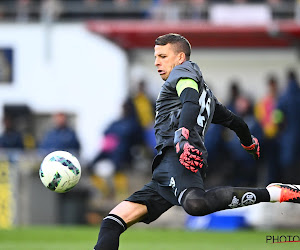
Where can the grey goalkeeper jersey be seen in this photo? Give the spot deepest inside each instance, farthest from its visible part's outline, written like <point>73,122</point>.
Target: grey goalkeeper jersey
<point>168,109</point>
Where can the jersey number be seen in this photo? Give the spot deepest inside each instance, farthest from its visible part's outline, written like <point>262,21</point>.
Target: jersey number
<point>204,102</point>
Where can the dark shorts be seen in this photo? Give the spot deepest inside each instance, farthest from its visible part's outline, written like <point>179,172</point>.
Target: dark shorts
<point>170,179</point>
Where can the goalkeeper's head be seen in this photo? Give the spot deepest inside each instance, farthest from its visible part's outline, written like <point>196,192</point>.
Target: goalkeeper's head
<point>170,50</point>
<point>180,43</point>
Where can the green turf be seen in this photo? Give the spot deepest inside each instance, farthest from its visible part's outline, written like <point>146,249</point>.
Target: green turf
<point>81,238</point>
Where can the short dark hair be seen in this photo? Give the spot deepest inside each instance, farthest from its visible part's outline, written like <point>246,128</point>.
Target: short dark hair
<point>181,43</point>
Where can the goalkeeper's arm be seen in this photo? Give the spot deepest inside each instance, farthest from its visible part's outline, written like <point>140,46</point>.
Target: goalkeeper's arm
<point>228,119</point>
<point>189,156</point>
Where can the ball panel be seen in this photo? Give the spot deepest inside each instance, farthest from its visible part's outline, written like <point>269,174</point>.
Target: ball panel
<point>55,182</point>
<point>67,163</point>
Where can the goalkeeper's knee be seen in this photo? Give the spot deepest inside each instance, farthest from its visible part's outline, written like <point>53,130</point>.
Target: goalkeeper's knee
<point>195,203</point>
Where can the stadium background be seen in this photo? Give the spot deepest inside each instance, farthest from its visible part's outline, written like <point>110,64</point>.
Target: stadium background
<point>85,57</point>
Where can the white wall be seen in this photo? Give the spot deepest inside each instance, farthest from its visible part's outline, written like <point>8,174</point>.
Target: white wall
<point>250,66</point>
<point>66,68</point>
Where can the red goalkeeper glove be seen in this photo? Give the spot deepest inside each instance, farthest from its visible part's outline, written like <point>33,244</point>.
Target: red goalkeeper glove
<point>253,149</point>
<point>189,156</point>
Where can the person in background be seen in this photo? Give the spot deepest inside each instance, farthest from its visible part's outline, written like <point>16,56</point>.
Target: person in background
<point>287,116</point>
<point>116,152</point>
<point>244,172</point>
<point>10,138</point>
<point>264,111</point>
<point>234,93</point>
<point>60,137</point>
<point>23,11</point>
<point>145,113</point>
<point>50,10</point>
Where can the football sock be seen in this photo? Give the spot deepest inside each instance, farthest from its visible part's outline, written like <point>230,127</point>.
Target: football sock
<point>197,202</point>
<point>111,228</point>
<point>275,193</point>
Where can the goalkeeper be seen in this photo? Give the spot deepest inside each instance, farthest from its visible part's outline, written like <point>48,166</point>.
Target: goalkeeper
<point>184,109</point>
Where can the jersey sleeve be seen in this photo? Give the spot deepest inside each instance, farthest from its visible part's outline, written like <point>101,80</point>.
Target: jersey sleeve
<point>190,108</point>
<point>187,71</point>
<point>182,84</point>
<point>225,117</point>
<point>222,115</point>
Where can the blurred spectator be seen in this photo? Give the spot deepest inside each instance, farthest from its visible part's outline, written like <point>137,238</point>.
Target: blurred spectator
<point>90,4</point>
<point>144,106</point>
<point>287,116</point>
<point>51,10</point>
<point>10,138</point>
<point>6,65</point>
<point>217,140</point>
<point>167,10</point>
<point>121,3</point>
<point>2,11</point>
<point>145,112</point>
<point>245,168</point>
<point>265,107</point>
<point>214,144</point>
<point>264,111</point>
<point>23,9</point>
<point>116,153</point>
<point>234,93</point>
<point>195,9</point>
<point>274,3</point>
<point>61,137</point>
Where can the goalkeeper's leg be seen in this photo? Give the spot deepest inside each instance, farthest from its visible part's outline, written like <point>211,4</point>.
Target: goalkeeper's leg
<point>197,202</point>
<point>125,214</point>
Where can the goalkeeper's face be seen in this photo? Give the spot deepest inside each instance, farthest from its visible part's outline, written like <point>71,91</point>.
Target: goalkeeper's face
<point>166,58</point>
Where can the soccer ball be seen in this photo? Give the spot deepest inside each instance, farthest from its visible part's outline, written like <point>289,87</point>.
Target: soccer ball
<point>60,171</point>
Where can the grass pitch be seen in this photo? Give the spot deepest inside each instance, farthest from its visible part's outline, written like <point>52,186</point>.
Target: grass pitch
<point>83,238</point>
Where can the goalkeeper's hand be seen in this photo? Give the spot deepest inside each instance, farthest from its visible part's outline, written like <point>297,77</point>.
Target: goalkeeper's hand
<point>253,149</point>
<point>188,155</point>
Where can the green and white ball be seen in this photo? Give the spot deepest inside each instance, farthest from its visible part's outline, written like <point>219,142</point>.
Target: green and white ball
<point>60,171</point>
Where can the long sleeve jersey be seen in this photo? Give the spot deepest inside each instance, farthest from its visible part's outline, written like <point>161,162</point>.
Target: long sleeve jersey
<point>169,107</point>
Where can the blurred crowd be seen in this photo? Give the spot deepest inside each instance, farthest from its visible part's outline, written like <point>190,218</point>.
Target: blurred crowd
<point>127,145</point>
<point>61,136</point>
<point>129,141</point>
<point>33,10</point>
<point>274,120</point>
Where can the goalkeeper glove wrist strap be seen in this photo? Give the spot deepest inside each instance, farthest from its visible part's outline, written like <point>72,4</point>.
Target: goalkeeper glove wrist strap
<point>251,147</point>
